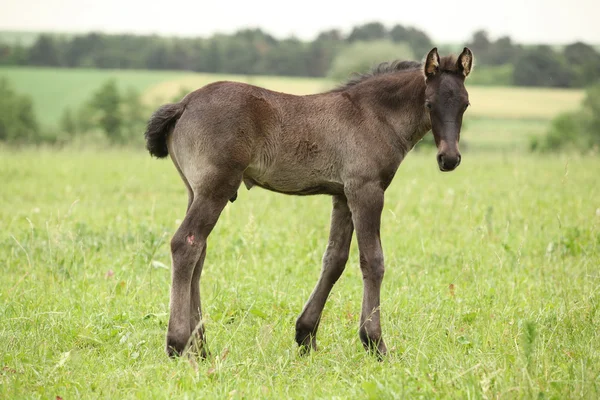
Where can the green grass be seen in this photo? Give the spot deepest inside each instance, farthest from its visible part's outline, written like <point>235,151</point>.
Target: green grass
<point>53,90</point>
<point>504,134</point>
<point>491,286</point>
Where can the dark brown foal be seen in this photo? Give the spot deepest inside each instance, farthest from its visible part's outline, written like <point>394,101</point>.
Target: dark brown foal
<point>346,143</point>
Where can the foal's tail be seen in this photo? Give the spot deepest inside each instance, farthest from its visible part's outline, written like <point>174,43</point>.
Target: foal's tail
<point>159,126</point>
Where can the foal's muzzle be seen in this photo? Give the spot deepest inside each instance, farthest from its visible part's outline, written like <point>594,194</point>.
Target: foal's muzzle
<point>448,161</point>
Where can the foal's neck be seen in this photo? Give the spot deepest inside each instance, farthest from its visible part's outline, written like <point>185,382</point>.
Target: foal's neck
<point>399,99</point>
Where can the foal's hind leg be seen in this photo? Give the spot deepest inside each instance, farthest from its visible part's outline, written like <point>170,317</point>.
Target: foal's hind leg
<point>196,325</point>
<point>188,248</point>
<point>334,261</point>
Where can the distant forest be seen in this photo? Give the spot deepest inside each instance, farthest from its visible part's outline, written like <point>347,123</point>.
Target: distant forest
<point>255,52</point>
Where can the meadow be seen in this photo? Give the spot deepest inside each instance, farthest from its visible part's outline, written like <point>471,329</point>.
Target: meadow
<point>491,286</point>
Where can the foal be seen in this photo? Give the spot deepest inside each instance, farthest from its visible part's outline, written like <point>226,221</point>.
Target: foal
<point>346,143</point>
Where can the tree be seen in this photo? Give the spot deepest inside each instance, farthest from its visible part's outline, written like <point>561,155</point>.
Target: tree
<point>106,104</point>
<point>80,51</point>
<point>501,52</point>
<point>361,56</point>
<point>45,51</point>
<point>584,61</point>
<point>480,42</point>
<point>579,53</point>
<point>157,56</point>
<point>214,55</point>
<point>367,32</point>
<point>181,56</point>
<point>289,57</point>
<point>322,51</point>
<point>541,66</point>
<point>398,33</point>
<point>418,40</point>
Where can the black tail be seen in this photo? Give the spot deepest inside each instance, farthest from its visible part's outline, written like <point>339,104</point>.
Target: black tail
<point>159,126</point>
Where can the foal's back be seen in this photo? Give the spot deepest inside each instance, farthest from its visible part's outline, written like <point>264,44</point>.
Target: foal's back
<point>282,142</point>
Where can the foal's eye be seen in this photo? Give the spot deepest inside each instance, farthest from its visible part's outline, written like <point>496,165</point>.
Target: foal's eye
<point>467,106</point>
<point>428,105</point>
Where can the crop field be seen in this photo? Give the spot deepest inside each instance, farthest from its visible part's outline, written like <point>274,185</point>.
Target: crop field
<point>53,90</point>
<point>491,286</point>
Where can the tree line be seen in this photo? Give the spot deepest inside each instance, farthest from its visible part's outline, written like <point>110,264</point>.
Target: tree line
<point>255,52</point>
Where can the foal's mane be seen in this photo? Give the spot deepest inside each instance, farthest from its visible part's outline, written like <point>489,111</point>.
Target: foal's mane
<point>447,64</point>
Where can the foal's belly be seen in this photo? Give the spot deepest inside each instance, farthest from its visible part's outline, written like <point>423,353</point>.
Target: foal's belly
<point>294,181</point>
<point>323,188</point>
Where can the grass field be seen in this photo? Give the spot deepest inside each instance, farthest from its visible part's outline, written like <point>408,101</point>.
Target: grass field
<point>491,287</point>
<point>53,90</point>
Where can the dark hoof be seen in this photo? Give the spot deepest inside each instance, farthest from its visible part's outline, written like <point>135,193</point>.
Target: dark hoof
<point>306,341</point>
<point>175,348</point>
<point>373,346</point>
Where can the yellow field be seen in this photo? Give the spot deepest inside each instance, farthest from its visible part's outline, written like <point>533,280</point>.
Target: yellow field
<point>168,89</point>
<point>487,101</point>
<point>522,103</point>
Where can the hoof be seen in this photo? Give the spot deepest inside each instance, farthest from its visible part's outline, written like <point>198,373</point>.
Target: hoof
<point>375,346</point>
<point>306,341</point>
<point>175,347</point>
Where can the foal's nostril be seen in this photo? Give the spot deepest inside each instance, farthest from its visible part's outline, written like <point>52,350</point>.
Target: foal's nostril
<point>448,162</point>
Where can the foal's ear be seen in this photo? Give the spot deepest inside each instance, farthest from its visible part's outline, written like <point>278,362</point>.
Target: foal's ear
<point>432,63</point>
<point>465,62</point>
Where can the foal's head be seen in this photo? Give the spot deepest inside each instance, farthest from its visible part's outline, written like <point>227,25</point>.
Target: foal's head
<point>446,99</point>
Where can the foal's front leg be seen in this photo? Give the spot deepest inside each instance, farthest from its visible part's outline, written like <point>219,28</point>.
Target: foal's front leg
<point>366,203</point>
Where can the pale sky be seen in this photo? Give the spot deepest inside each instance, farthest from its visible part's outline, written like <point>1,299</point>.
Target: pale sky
<point>445,21</point>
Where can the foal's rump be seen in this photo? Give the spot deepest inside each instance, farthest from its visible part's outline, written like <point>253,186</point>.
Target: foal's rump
<point>221,119</point>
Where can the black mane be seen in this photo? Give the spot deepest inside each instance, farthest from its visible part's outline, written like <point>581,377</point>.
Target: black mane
<point>381,69</point>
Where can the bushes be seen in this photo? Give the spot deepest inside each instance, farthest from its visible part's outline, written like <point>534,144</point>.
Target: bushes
<point>579,130</point>
<point>118,117</point>
<point>18,123</point>
<point>110,115</point>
